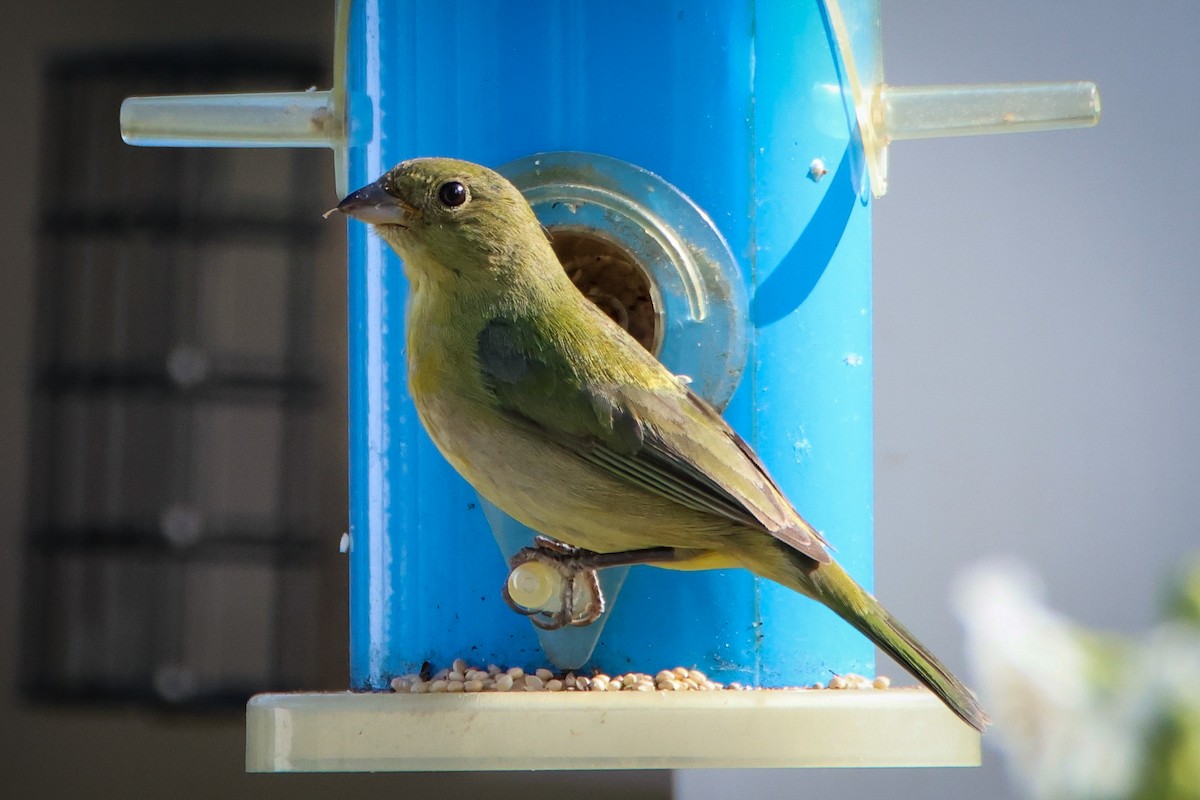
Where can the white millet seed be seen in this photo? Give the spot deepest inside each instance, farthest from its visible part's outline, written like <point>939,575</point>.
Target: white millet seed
<point>438,686</point>
<point>697,675</point>
<point>473,686</point>
<point>458,665</point>
<point>504,682</point>
<point>554,685</point>
<point>837,682</point>
<point>494,670</point>
<point>533,683</point>
<point>420,687</point>
<point>440,675</point>
<point>817,685</point>
<point>544,674</point>
<point>401,684</point>
<point>881,682</point>
<point>455,686</point>
<point>856,681</point>
<point>680,672</point>
<point>516,672</point>
<point>664,676</point>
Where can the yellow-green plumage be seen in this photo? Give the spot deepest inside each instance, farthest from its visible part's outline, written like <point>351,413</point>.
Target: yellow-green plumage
<point>562,420</point>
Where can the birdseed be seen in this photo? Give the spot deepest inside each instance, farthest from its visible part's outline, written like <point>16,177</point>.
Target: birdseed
<point>462,677</point>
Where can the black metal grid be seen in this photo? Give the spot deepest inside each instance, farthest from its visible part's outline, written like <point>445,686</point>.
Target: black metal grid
<point>171,520</point>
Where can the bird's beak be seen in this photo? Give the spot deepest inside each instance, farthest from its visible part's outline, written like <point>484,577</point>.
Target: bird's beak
<point>374,205</point>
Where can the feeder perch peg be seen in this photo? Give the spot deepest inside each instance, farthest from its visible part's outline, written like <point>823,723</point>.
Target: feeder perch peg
<point>261,119</point>
<point>257,119</point>
<point>551,597</point>
<point>929,112</point>
<point>533,585</point>
<point>887,114</point>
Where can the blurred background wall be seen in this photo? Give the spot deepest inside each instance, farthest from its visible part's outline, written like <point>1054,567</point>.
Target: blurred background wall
<point>1036,368</point>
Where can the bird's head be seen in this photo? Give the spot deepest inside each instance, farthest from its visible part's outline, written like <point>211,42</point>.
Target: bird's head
<point>448,217</point>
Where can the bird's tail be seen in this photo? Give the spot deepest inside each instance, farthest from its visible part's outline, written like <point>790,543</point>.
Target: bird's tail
<point>833,586</point>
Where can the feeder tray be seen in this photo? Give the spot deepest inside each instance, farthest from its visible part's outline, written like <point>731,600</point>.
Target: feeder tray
<point>384,732</point>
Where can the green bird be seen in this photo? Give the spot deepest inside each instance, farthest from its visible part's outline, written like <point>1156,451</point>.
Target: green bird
<point>558,417</point>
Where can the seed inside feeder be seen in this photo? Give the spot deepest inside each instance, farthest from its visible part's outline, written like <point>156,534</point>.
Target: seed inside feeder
<point>611,278</point>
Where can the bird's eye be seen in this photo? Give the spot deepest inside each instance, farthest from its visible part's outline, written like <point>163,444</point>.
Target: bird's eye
<point>452,194</point>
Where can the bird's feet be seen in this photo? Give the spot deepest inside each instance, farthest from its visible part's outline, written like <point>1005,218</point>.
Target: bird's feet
<point>550,567</point>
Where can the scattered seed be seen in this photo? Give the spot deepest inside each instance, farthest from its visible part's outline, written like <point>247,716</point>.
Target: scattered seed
<point>462,677</point>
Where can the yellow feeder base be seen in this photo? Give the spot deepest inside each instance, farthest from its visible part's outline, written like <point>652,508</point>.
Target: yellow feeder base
<point>385,732</point>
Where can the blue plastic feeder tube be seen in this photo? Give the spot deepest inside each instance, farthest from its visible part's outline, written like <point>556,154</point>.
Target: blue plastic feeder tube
<point>730,102</point>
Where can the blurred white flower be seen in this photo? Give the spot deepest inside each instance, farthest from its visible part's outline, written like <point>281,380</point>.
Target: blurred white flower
<point>1080,714</point>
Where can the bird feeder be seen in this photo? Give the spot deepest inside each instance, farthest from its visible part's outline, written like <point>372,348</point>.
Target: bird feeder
<point>706,170</point>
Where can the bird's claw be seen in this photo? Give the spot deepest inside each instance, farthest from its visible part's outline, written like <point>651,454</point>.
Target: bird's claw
<point>581,601</point>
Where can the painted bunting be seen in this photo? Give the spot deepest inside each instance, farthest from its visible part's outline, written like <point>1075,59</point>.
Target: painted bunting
<point>555,414</point>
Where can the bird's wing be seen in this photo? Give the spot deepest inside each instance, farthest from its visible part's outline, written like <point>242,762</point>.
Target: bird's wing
<point>667,441</point>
